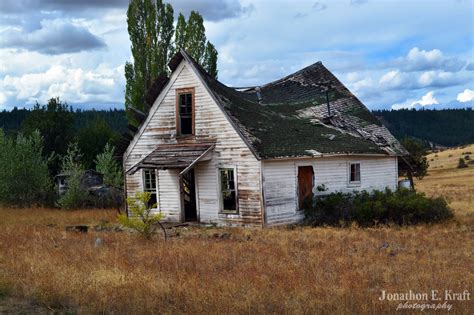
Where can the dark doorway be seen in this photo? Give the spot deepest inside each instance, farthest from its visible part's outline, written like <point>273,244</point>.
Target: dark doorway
<point>188,193</point>
<point>305,186</point>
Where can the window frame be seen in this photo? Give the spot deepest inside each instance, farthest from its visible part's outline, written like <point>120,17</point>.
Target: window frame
<point>180,92</point>
<point>144,186</point>
<point>350,182</point>
<point>220,191</point>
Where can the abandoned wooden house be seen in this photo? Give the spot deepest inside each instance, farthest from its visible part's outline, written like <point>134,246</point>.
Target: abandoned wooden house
<point>255,156</point>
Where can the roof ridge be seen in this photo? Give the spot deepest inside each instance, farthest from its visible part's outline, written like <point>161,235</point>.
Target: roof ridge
<point>314,65</point>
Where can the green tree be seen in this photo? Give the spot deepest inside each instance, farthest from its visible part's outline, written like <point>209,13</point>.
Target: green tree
<point>195,44</point>
<point>108,165</point>
<point>24,178</point>
<point>76,195</point>
<point>415,164</point>
<point>150,27</point>
<point>141,217</point>
<point>92,139</point>
<point>151,31</point>
<point>180,34</point>
<point>210,60</point>
<point>165,19</point>
<point>55,122</point>
<point>191,36</point>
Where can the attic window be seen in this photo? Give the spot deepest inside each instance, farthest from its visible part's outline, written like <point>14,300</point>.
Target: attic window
<point>354,173</point>
<point>185,111</point>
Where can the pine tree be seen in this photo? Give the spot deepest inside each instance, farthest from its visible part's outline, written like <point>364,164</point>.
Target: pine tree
<point>108,165</point>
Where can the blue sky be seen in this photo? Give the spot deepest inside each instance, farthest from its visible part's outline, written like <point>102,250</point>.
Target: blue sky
<point>391,54</point>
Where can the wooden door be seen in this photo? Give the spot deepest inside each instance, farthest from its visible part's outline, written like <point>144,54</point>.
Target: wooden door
<point>305,186</point>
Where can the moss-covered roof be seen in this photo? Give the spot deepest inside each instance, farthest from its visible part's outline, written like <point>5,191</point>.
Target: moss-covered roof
<point>289,117</point>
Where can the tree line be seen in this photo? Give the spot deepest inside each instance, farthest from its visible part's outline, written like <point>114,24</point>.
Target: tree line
<point>447,127</point>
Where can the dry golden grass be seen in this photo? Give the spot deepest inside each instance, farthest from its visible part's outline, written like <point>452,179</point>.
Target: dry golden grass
<point>457,185</point>
<point>301,270</point>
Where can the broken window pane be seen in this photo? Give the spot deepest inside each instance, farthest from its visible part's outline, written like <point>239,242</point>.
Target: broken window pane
<point>228,192</point>
<point>149,185</point>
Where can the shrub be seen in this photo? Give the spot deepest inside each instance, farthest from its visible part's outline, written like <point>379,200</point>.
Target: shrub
<point>76,195</point>
<point>140,216</point>
<point>24,176</point>
<point>402,207</point>
<point>462,163</point>
<point>467,157</point>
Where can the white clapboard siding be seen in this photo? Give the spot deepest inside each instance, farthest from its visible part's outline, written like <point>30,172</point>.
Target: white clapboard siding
<point>230,151</point>
<point>281,180</point>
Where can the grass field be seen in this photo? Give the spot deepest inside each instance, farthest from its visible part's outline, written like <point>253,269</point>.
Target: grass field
<point>235,270</point>
<point>445,179</point>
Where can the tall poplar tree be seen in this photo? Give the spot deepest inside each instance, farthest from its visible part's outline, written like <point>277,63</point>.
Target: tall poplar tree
<point>195,37</point>
<point>210,59</point>
<point>180,34</point>
<point>151,30</point>
<point>191,36</point>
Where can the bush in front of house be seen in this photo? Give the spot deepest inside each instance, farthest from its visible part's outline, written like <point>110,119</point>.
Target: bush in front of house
<point>401,207</point>
<point>141,217</point>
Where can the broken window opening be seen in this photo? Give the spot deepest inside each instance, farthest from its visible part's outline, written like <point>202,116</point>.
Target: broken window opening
<point>228,190</point>
<point>149,185</point>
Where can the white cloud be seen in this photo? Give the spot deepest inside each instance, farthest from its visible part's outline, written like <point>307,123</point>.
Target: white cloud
<point>398,80</point>
<point>466,96</point>
<point>74,85</point>
<point>426,100</point>
<point>422,60</point>
<point>418,56</point>
<point>318,6</point>
<point>392,79</point>
<point>54,37</point>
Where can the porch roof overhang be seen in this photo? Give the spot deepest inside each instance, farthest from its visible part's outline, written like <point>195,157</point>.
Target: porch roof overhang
<point>174,156</point>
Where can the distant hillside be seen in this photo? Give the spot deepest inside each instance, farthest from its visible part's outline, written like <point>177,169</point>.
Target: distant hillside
<point>448,127</point>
